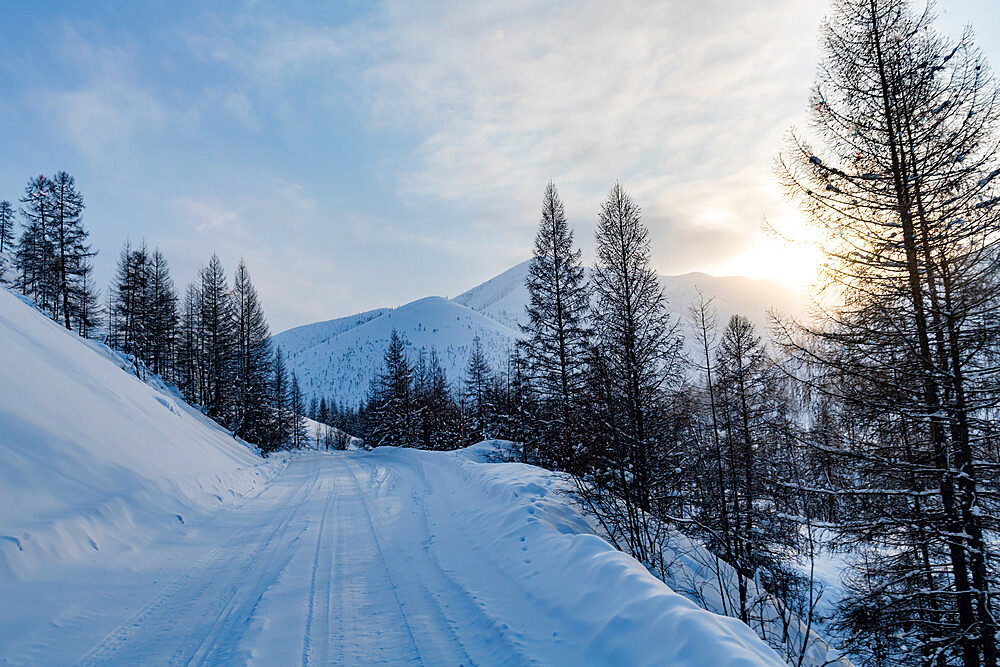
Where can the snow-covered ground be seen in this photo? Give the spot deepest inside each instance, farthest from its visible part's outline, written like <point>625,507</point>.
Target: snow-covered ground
<point>338,358</point>
<point>135,531</point>
<point>396,556</point>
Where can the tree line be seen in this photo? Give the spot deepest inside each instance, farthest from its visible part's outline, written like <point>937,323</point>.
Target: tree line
<point>213,342</point>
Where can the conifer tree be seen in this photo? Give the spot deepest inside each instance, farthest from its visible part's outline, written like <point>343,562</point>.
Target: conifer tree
<point>476,394</point>
<point>281,433</point>
<point>902,184</point>
<point>253,360</point>
<point>632,457</point>
<point>6,226</point>
<point>90,317</point>
<point>218,334</point>
<point>555,335</point>
<point>162,317</point>
<point>189,371</point>
<point>393,397</point>
<point>70,251</point>
<point>129,303</point>
<point>297,409</point>
<point>34,256</point>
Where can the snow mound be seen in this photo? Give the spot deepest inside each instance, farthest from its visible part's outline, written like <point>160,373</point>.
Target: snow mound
<point>92,457</point>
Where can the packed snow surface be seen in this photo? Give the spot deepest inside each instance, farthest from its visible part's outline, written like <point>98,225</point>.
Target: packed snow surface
<point>338,358</point>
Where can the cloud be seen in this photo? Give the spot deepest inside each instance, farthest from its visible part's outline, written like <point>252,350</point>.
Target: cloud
<point>102,119</point>
<point>204,216</point>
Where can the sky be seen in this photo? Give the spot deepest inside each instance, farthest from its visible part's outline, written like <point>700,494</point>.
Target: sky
<point>360,154</point>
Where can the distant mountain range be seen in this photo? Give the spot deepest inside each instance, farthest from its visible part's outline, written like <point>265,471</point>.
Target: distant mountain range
<point>338,358</point>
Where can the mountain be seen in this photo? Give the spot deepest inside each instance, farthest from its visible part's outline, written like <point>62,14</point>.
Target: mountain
<point>338,358</point>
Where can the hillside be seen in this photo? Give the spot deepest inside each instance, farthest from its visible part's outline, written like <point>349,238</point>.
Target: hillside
<point>338,358</point>
<point>341,361</point>
<point>94,460</point>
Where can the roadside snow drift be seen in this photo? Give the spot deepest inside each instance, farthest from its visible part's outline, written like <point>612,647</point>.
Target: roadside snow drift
<point>90,455</point>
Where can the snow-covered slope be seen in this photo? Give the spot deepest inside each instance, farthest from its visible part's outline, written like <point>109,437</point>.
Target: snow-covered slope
<point>502,298</point>
<point>91,457</point>
<point>341,361</point>
<point>340,357</point>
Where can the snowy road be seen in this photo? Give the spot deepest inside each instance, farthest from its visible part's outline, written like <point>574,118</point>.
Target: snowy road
<point>321,567</point>
<point>394,556</point>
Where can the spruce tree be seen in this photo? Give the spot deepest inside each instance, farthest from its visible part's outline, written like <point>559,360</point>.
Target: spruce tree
<point>631,460</point>
<point>297,409</point>
<point>478,375</point>
<point>219,342</point>
<point>281,432</point>
<point>393,409</point>
<point>162,317</point>
<point>129,303</point>
<point>90,317</point>
<point>189,370</point>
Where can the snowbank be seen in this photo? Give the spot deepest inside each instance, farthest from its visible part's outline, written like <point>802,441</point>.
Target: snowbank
<point>517,517</point>
<point>91,458</point>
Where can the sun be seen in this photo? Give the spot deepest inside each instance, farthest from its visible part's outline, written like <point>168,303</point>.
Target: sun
<point>793,263</point>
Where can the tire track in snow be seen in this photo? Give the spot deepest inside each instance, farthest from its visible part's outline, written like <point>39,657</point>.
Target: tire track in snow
<point>323,645</point>
<point>382,561</point>
<point>167,616</point>
<point>486,629</point>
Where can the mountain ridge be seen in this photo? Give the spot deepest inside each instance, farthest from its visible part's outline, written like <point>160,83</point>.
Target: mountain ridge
<point>338,358</point>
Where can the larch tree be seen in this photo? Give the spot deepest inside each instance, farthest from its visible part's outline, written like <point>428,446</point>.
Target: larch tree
<point>70,251</point>
<point>34,256</point>
<point>902,184</point>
